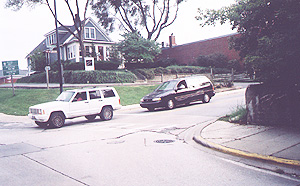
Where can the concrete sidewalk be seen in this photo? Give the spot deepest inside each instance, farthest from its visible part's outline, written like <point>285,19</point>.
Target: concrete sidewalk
<point>259,142</point>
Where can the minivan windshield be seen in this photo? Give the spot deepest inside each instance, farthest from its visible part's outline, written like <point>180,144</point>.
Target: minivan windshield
<point>168,85</point>
<point>65,96</point>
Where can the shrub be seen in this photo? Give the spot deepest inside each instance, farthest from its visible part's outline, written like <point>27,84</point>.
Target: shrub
<point>73,65</point>
<point>106,65</point>
<point>144,73</point>
<point>99,65</point>
<point>131,66</point>
<point>83,77</point>
<point>165,62</point>
<point>161,70</point>
<point>188,69</point>
<point>213,60</point>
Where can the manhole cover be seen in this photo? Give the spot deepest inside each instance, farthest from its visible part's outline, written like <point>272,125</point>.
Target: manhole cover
<point>164,141</point>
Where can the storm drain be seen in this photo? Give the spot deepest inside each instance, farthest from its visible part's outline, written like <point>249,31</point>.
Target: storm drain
<point>164,141</point>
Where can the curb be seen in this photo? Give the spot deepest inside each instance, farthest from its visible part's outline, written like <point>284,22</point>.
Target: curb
<point>221,148</point>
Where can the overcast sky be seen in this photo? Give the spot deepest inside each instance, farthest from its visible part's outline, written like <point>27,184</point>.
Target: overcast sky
<point>23,30</point>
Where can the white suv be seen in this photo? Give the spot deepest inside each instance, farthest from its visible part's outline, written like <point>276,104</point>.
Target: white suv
<point>75,103</point>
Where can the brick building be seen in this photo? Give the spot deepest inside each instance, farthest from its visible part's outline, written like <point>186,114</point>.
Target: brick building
<point>187,53</point>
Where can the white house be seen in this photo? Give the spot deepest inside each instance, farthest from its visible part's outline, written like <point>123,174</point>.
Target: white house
<point>96,44</point>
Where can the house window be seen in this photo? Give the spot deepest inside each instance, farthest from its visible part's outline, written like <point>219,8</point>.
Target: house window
<point>71,52</point>
<point>100,53</point>
<point>87,50</point>
<point>51,39</point>
<point>90,33</point>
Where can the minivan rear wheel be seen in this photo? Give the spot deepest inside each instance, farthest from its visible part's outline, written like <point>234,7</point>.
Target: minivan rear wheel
<point>206,98</point>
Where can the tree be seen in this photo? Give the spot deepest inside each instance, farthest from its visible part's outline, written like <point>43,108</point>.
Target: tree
<point>38,61</point>
<point>153,16</point>
<point>136,49</point>
<point>75,14</point>
<point>269,36</point>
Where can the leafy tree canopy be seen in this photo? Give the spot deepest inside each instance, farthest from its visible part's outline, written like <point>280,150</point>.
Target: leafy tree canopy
<point>137,15</point>
<point>136,49</point>
<point>75,9</point>
<point>38,61</point>
<point>269,36</point>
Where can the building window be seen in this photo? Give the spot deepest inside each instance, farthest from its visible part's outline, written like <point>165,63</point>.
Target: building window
<point>51,39</point>
<point>71,52</point>
<point>90,33</point>
<point>100,53</point>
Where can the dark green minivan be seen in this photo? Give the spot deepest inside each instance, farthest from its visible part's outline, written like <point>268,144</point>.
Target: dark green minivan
<point>175,92</point>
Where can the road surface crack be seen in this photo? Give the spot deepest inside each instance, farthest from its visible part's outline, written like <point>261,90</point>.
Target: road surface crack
<point>59,172</point>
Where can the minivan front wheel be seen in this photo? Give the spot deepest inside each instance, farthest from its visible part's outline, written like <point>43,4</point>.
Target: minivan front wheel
<point>170,104</point>
<point>206,98</point>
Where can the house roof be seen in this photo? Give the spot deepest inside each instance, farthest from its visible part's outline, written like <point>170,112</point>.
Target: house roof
<point>66,37</point>
<point>200,41</point>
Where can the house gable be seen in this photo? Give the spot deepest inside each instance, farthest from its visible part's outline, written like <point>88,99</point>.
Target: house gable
<point>90,23</point>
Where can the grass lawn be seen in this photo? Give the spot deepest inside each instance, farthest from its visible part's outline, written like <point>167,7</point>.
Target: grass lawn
<point>24,98</point>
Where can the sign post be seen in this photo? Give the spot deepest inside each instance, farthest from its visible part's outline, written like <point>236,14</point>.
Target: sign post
<point>10,68</point>
<point>47,68</point>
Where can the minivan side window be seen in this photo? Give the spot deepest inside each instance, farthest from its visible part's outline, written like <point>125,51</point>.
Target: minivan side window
<point>108,93</point>
<point>95,94</point>
<point>182,85</point>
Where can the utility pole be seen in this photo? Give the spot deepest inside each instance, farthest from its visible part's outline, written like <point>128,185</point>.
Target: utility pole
<point>60,69</point>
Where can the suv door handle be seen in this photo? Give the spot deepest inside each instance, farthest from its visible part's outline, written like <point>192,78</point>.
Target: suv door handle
<point>86,102</point>
<point>100,100</point>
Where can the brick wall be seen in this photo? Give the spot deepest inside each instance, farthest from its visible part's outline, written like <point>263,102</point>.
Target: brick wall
<point>187,53</point>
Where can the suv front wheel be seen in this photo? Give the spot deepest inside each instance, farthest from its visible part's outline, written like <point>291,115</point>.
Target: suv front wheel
<point>57,120</point>
<point>106,113</point>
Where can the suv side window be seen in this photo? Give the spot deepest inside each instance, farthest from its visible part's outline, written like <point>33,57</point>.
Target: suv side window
<point>108,93</point>
<point>95,94</point>
<point>80,96</point>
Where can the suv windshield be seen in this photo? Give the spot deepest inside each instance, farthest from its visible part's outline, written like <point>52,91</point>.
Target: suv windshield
<point>65,96</point>
<point>168,85</point>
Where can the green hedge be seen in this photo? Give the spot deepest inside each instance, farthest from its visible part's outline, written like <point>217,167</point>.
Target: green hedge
<point>99,65</point>
<point>80,77</point>
<point>150,73</point>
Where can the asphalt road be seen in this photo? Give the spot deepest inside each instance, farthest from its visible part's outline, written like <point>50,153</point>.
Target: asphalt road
<point>137,147</point>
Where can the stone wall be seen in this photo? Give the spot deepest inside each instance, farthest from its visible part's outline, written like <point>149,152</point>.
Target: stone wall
<point>273,105</point>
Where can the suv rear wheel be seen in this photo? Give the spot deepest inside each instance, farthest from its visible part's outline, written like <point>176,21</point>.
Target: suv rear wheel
<point>106,113</point>
<point>57,120</point>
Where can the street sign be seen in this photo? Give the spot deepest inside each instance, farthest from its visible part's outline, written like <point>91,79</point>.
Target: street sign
<point>47,68</point>
<point>10,68</point>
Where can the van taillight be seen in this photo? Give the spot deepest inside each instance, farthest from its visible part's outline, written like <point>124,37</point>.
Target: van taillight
<point>120,101</point>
